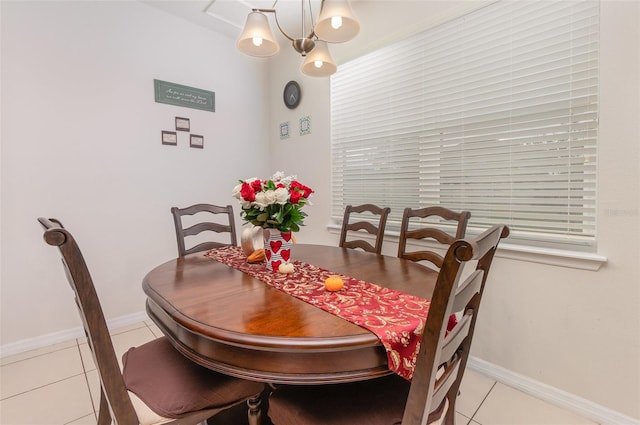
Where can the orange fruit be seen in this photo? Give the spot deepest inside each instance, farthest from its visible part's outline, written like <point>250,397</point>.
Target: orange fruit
<point>333,283</point>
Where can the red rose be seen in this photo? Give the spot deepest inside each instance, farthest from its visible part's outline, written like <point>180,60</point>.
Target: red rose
<point>294,196</point>
<point>247,192</point>
<point>306,191</point>
<point>257,186</point>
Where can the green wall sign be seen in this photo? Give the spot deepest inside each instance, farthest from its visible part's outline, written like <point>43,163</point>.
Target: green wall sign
<point>188,97</point>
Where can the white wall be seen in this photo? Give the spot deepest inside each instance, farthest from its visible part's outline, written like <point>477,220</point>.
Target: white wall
<point>77,109</point>
<point>81,142</point>
<point>306,156</point>
<point>575,330</point>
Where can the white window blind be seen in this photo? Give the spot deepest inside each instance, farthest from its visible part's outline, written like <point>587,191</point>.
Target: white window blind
<point>495,112</point>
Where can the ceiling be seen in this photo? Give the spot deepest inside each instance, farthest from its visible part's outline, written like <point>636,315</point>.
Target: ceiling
<point>228,16</point>
<point>381,21</point>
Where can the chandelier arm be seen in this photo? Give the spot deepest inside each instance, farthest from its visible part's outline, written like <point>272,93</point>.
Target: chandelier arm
<point>311,35</point>
<point>313,24</point>
<point>275,15</point>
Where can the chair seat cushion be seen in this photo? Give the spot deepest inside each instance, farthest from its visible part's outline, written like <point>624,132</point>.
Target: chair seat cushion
<point>374,402</point>
<point>172,385</point>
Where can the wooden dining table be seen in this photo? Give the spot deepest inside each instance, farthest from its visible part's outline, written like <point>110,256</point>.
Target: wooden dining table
<point>231,322</point>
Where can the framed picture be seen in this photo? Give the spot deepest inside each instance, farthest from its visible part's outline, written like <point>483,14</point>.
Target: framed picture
<point>305,125</point>
<point>185,96</point>
<point>169,138</point>
<point>197,141</point>
<point>182,124</point>
<point>284,130</point>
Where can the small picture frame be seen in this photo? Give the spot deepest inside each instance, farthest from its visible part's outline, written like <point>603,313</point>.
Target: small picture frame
<point>182,124</point>
<point>305,125</point>
<point>169,138</point>
<point>284,130</point>
<point>197,141</point>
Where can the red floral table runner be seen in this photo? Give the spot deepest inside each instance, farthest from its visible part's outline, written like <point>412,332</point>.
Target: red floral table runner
<point>396,318</point>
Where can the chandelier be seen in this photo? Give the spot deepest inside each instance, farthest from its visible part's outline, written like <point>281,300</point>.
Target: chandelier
<point>336,24</point>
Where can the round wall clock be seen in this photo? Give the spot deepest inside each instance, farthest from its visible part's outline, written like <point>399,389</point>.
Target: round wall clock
<point>292,95</point>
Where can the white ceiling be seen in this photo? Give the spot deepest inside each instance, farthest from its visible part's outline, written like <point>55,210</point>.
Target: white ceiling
<point>381,21</point>
<point>228,16</point>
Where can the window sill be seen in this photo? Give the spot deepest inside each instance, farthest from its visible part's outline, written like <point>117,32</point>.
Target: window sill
<point>554,257</point>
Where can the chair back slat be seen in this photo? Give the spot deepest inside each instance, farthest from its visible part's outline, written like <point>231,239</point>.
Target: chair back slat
<point>450,350</point>
<point>429,233</point>
<point>454,339</point>
<point>418,256</point>
<point>182,231</point>
<point>444,383</point>
<point>363,225</point>
<point>93,321</point>
<point>351,228</point>
<point>470,287</point>
<point>204,227</point>
<point>359,243</point>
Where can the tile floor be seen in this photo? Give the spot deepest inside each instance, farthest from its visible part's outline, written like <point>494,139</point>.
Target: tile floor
<point>59,385</point>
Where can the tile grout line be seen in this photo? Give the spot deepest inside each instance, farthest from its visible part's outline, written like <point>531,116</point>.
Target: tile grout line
<point>42,386</point>
<point>81,417</point>
<point>482,402</point>
<point>38,355</point>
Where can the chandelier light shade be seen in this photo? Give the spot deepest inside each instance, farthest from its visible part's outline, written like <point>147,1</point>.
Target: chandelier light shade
<point>319,62</point>
<point>336,23</point>
<point>256,38</point>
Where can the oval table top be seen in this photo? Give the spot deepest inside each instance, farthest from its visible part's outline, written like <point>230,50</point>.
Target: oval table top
<point>231,322</point>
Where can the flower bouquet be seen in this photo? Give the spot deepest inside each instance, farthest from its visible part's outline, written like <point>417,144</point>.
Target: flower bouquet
<point>275,205</point>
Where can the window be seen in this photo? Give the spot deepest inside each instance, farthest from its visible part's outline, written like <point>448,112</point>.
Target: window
<point>495,112</point>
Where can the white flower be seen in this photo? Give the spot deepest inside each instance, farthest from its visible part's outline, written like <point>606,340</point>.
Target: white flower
<point>264,199</point>
<point>236,192</point>
<point>270,197</point>
<point>279,176</point>
<point>282,195</point>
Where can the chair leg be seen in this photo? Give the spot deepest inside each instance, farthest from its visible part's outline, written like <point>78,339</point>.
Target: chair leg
<point>104,415</point>
<point>254,413</point>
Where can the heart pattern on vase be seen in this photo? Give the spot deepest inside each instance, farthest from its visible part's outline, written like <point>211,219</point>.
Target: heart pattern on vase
<point>277,248</point>
<point>285,254</point>
<point>275,245</point>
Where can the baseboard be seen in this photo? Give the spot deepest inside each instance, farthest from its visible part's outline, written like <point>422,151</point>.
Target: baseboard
<point>66,335</point>
<point>560,398</point>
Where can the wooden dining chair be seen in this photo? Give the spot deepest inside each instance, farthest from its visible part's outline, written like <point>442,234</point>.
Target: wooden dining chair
<point>365,215</point>
<point>430,397</point>
<point>408,233</point>
<point>157,383</point>
<point>224,225</point>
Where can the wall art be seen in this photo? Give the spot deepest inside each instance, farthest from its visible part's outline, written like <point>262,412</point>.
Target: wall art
<point>169,138</point>
<point>188,97</point>
<point>305,125</point>
<point>284,130</point>
<point>197,141</point>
